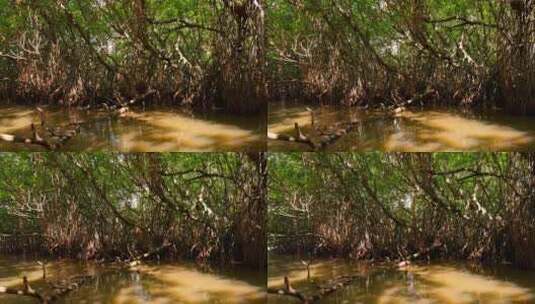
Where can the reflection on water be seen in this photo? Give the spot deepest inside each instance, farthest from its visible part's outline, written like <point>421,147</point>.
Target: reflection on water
<point>435,283</point>
<point>164,283</point>
<point>156,129</point>
<point>425,130</point>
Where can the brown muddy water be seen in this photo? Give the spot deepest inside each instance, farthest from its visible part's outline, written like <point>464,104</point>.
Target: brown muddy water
<point>155,129</point>
<point>447,282</point>
<point>424,130</point>
<point>152,283</point>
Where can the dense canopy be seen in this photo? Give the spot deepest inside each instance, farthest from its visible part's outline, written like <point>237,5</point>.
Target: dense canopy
<point>391,51</point>
<point>203,53</point>
<point>477,206</point>
<point>209,207</point>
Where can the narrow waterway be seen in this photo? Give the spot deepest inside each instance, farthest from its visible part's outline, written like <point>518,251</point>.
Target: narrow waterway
<point>151,283</point>
<point>448,282</point>
<point>423,130</point>
<point>155,129</point>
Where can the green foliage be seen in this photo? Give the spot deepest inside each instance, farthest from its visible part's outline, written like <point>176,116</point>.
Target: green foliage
<point>374,205</point>
<point>92,51</point>
<point>100,204</point>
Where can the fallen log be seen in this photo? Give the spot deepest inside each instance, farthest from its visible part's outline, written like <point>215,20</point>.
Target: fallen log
<point>406,261</point>
<point>288,290</point>
<point>326,136</point>
<point>25,291</point>
<point>331,287</point>
<point>121,108</point>
<point>336,133</point>
<point>25,140</point>
<point>299,137</point>
<point>59,290</point>
<point>135,261</point>
<point>54,139</point>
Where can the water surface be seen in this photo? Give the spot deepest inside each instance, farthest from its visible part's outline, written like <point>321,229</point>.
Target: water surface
<point>424,130</point>
<point>447,282</point>
<point>155,129</point>
<point>153,283</point>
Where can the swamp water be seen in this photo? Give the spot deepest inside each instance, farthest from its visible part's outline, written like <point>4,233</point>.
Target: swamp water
<point>162,283</point>
<point>458,283</point>
<point>155,129</point>
<point>425,130</point>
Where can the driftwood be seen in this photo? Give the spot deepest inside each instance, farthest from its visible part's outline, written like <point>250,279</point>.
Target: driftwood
<point>299,137</point>
<point>135,261</point>
<point>326,137</point>
<point>58,290</point>
<point>331,134</point>
<point>122,107</point>
<point>61,289</point>
<point>56,137</point>
<point>25,291</point>
<point>325,290</point>
<point>407,260</point>
<point>53,138</point>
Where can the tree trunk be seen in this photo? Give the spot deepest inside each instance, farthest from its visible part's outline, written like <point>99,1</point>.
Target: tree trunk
<point>517,52</point>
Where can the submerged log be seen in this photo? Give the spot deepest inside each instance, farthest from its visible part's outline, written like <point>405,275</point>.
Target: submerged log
<point>26,291</point>
<point>406,261</point>
<point>59,290</point>
<point>288,290</point>
<point>121,108</point>
<point>53,139</point>
<point>135,261</point>
<point>326,137</point>
<point>25,140</point>
<point>299,137</point>
<point>330,287</point>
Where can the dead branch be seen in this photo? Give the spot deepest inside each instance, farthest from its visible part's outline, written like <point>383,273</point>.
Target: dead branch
<point>55,138</point>
<point>299,137</point>
<point>121,108</point>
<point>25,291</point>
<point>137,260</point>
<point>407,260</point>
<point>25,140</point>
<point>289,291</point>
<point>331,287</point>
<point>326,138</point>
<point>336,132</point>
<point>59,290</point>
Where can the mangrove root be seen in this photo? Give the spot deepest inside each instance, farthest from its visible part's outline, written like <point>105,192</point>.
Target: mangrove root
<point>329,288</point>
